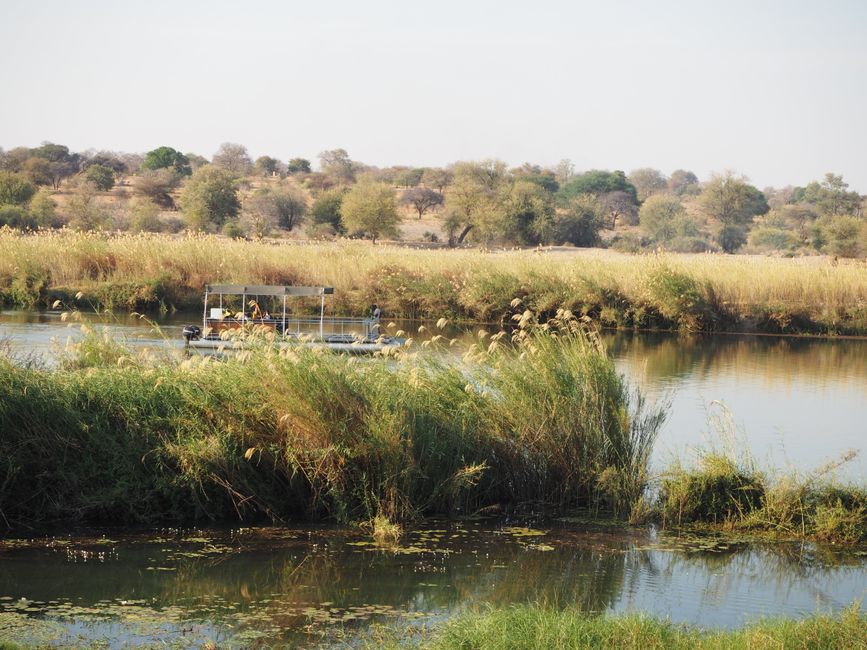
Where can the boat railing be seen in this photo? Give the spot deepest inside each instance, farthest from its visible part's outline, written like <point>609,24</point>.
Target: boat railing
<point>367,328</point>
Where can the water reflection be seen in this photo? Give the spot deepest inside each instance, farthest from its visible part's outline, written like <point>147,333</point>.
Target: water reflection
<point>299,584</point>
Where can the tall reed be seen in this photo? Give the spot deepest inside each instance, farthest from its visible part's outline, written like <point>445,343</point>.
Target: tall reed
<point>304,433</point>
<point>687,292</point>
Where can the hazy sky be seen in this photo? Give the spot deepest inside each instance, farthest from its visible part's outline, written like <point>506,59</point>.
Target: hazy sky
<point>774,90</point>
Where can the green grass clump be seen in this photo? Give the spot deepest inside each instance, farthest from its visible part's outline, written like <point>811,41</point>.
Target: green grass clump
<point>304,433</point>
<point>532,627</point>
<point>728,494</point>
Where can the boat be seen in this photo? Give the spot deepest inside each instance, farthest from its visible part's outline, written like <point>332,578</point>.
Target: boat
<point>224,327</point>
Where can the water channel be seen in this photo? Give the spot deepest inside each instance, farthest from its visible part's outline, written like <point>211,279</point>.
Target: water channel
<point>793,403</point>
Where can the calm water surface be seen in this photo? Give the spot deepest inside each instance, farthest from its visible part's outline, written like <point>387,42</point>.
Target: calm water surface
<point>308,586</point>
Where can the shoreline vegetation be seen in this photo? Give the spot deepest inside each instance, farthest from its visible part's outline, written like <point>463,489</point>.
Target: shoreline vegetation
<point>690,293</point>
<point>539,626</point>
<point>128,437</point>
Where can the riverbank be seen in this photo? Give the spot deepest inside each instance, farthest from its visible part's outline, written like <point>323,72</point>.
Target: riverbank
<point>679,292</point>
<point>535,626</point>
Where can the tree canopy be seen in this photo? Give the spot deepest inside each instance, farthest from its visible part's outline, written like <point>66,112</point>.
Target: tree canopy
<point>209,198</point>
<point>167,158</point>
<point>369,207</point>
<point>598,182</point>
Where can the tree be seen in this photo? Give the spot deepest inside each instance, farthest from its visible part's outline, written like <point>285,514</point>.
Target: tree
<point>659,217</point>
<point>619,204</point>
<point>472,199</point>
<point>210,198</point>
<point>61,163</point>
<point>37,170</point>
<point>421,199</point>
<point>16,216</point>
<point>106,159</point>
<point>565,171</point>
<point>731,200</point>
<point>336,163</point>
<point>437,178</point>
<point>233,158</point>
<point>683,182</point>
<point>369,207</point>
<point>157,185</point>
<point>196,161</point>
<point>830,196</point>
<point>409,177</point>
<point>598,182</point>
<point>580,222</point>
<point>83,210</point>
<point>282,206</point>
<point>15,189</point>
<point>731,237</point>
<point>101,176</point>
<point>527,213</point>
<point>258,216</point>
<point>298,166</point>
<point>648,181</point>
<point>42,209</point>
<point>267,166</point>
<point>326,210</point>
<point>167,158</point>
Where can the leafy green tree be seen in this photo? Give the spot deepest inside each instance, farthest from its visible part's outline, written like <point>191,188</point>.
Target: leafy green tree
<point>409,177</point>
<point>683,182</point>
<point>209,198</point>
<point>38,171</point>
<point>266,166</point>
<point>472,199</point>
<point>43,209</point>
<point>15,189</point>
<point>299,166</point>
<point>16,216</point>
<point>167,158</point>
<point>527,213</point>
<point>158,185</point>
<point>731,200</point>
<point>648,181</point>
<point>326,210</point>
<point>421,199</point>
<point>106,159</point>
<point>659,216</point>
<point>101,176</point>
<point>842,236</point>
<point>233,158</point>
<point>580,221</point>
<point>831,196</point>
<point>598,182</point>
<point>731,236</point>
<point>773,238</point>
<point>61,162</point>
<point>370,207</point>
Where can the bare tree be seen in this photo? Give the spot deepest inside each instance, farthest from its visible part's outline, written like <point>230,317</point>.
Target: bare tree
<point>619,204</point>
<point>234,159</point>
<point>422,199</point>
<point>157,185</point>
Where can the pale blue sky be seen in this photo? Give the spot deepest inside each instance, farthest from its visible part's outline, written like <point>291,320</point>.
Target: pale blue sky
<point>774,90</point>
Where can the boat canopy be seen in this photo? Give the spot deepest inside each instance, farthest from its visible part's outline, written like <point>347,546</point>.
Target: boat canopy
<point>267,290</point>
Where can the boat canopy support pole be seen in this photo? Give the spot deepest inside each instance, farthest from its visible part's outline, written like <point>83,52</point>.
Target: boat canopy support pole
<point>284,315</point>
<point>205,311</point>
<point>321,316</point>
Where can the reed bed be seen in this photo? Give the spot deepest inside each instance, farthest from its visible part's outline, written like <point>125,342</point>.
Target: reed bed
<point>687,292</point>
<point>111,435</point>
<point>536,626</point>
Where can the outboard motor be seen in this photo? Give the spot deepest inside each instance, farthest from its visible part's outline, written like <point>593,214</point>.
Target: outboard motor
<point>192,333</point>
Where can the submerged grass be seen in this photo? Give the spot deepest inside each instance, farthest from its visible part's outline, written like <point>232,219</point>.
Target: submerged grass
<point>305,433</point>
<point>534,626</point>
<point>686,292</point>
